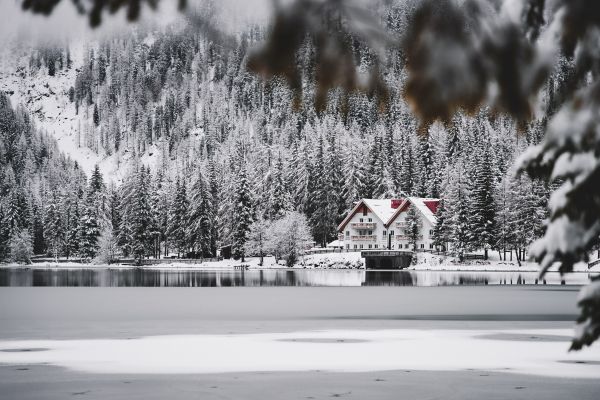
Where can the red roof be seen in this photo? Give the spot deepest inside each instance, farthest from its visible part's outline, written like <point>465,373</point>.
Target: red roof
<point>432,205</point>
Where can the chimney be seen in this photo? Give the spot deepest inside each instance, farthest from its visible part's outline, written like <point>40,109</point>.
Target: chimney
<point>396,203</point>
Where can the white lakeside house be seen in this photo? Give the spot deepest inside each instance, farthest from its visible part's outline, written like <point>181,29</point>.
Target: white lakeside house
<point>381,224</point>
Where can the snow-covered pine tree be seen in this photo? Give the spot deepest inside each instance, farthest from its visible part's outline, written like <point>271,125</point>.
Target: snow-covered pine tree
<point>18,215</point>
<point>374,174</point>
<point>242,214</point>
<point>89,232</point>
<point>336,176</point>
<point>200,228</point>
<point>413,226</point>
<point>178,219</point>
<point>213,186</point>
<point>96,181</point>
<point>353,176</point>
<point>96,115</point>
<point>37,228</point>
<point>504,216</point>
<point>482,215</point>
<point>323,205</point>
<point>407,169</point>
<point>141,216</point>
<point>424,165</point>
<point>4,235</point>
<point>53,232</point>
<point>279,197</point>
<point>441,231</point>
<point>456,201</point>
<point>72,219</point>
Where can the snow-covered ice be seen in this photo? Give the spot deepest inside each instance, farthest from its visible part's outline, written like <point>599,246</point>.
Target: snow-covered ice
<point>538,352</point>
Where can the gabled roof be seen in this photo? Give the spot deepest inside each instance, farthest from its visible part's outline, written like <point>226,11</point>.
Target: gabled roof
<point>382,208</point>
<point>426,206</point>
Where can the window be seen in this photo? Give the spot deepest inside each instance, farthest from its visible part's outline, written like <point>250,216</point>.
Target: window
<point>361,246</point>
<point>431,245</point>
<point>370,246</point>
<point>347,233</point>
<point>431,232</point>
<point>422,245</point>
<point>354,247</point>
<point>406,246</point>
<point>348,246</point>
<point>360,220</point>
<point>364,210</point>
<point>370,233</point>
<point>392,233</point>
<point>384,233</point>
<point>376,246</point>
<point>370,219</point>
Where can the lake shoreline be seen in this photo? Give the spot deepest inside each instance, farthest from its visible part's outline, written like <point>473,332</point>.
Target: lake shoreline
<point>204,267</point>
<point>347,261</point>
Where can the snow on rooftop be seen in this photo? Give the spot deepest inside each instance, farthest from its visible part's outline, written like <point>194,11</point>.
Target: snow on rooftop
<point>419,202</point>
<point>382,208</point>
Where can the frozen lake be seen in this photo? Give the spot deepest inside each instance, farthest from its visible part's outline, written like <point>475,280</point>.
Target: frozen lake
<point>137,277</point>
<point>508,341</point>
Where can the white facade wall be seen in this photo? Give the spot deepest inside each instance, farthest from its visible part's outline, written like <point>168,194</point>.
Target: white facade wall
<point>363,231</point>
<point>401,240</point>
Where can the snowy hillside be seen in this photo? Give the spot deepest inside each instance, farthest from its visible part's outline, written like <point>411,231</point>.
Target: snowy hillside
<point>47,99</point>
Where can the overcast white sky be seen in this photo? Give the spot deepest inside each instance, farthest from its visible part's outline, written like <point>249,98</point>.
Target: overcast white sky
<point>65,22</point>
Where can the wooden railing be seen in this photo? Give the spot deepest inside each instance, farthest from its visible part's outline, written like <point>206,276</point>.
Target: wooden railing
<point>363,225</point>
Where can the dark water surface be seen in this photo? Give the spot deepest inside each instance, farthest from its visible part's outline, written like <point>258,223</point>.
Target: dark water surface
<point>137,277</point>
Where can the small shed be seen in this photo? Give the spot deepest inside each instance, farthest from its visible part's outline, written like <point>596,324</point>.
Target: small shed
<point>224,251</point>
<point>336,244</point>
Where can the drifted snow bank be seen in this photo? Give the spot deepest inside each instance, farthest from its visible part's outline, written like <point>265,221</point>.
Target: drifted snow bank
<point>351,260</point>
<point>535,352</point>
<point>434,262</point>
<point>314,261</point>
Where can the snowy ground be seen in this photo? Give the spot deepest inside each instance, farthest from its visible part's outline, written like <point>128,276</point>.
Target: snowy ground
<point>352,260</point>
<point>323,261</point>
<point>433,262</point>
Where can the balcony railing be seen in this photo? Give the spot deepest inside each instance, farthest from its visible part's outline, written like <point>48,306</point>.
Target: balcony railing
<point>407,237</point>
<point>363,225</point>
<point>364,237</point>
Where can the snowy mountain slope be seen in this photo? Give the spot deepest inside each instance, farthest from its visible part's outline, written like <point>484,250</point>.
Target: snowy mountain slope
<point>47,99</point>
